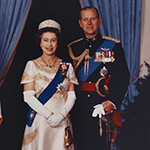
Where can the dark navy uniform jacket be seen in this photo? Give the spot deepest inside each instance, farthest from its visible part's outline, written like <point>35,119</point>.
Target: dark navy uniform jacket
<point>86,100</point>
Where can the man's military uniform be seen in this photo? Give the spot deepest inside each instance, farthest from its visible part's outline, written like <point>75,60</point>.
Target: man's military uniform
<point>107,81</point>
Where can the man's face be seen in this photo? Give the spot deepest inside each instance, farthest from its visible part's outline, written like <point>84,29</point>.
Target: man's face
<point>89,22</point>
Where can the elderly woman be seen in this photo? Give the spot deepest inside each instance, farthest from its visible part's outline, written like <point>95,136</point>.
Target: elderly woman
<point>49,91</point>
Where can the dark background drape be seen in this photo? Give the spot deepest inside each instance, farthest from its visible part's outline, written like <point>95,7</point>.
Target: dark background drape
<point>14,109</point>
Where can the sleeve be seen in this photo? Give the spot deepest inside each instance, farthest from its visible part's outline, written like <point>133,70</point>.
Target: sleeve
<point>119,77</point>
<point>29,73</point>
<point>71,75</point>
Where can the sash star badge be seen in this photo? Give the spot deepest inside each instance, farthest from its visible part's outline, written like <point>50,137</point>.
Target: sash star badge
<point>103,71</point>
<point>60,87</point>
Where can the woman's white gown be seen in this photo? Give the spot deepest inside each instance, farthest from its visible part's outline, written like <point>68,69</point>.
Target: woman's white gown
<point>41,136</point>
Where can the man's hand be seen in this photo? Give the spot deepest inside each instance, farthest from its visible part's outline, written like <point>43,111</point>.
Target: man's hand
<point>108,107</point>
<point>98,110</point>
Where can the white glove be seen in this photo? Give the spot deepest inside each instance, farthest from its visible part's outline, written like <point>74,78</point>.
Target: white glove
<point>56,119</point>
<point>35,104</point>
<point>71,97</point>
<point>98,111</point>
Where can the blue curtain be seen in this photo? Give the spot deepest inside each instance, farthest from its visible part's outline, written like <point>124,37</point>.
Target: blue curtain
<point>13,14</point>
<point>121,19</point>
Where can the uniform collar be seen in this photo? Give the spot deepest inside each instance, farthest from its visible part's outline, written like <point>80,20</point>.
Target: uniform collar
<point>93,38</point>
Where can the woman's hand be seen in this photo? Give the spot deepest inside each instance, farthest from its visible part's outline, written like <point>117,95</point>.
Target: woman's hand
<point>55,120</point>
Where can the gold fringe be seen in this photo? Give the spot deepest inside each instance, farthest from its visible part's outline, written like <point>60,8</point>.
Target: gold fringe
<point>110,38</point>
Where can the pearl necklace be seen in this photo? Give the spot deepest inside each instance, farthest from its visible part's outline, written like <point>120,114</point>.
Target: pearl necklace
<point>50,65</point>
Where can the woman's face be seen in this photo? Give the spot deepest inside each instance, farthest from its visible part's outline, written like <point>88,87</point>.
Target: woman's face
<point>49,43</point>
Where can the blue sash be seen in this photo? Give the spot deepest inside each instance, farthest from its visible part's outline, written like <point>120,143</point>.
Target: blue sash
<point>47,93</point>
<point>93,65</point>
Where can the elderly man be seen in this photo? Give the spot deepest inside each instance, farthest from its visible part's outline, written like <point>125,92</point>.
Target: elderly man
<point>103,76</point>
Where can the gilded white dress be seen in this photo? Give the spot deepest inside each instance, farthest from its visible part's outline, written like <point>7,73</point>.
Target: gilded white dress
<point>41,136</point>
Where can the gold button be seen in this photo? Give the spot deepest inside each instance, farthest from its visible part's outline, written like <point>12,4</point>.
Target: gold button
<point>89,82</point>
<point>90,45</point>
<point>88,95</point>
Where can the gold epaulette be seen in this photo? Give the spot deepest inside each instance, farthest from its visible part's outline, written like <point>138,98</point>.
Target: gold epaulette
<point>74,42</point>
<point>110,38</point>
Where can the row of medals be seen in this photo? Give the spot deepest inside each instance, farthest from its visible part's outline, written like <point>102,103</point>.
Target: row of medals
<point>105,56</point>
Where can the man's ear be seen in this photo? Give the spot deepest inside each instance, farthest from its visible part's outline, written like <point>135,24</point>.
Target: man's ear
<point>80,23</point>
<point>99,21</point>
